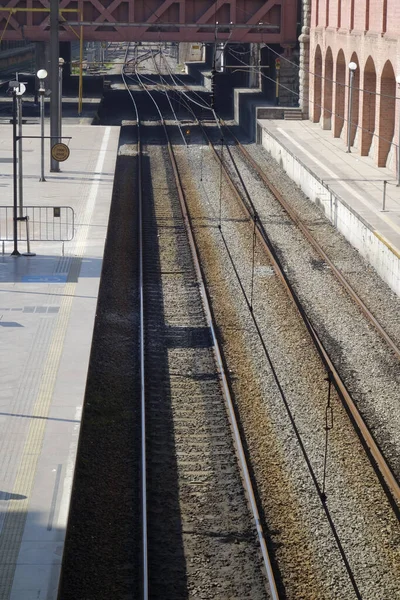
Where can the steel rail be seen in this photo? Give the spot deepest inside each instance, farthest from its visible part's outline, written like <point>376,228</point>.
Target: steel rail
<point>220,365</point>
<point>361,427</point>
<point>377,459</point>
<point>143,459</point>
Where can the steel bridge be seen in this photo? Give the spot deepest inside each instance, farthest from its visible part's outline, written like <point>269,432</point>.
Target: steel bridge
<point>268,21</point>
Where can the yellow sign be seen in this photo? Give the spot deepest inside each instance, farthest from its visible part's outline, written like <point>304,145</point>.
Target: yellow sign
<point>60,152</point>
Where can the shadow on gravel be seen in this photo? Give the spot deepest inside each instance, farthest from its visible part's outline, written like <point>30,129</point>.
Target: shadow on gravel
<point>167,563</point>
<point>102,551</point>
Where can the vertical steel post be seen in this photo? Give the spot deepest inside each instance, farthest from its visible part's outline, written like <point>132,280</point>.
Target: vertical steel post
<point>384,196</point>
<point>15,195</point>
<point>41,99</point>
<point>20,171</point>
<point>60,76</point>
<point>54,84</point>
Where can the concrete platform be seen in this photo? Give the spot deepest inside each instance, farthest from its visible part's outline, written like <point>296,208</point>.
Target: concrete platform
<point>348,188</point>
<point>47,311</point>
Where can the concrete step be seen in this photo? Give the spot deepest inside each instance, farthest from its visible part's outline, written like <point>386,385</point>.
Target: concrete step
<point>293,115</point>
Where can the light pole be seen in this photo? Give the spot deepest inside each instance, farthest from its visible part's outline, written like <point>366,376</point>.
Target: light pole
<point>15,86</point>
<point>19,92</point>
<point>41,75</point>
<point>60,75</point>
<point>352,68</point>
<point>398,141</point>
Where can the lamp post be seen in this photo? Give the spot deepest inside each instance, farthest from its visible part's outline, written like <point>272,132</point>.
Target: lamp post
<point>352,68</point>
<point>398,142</point>
<point>60,75</point>
<point>19,92</point>
<point>15,87</point>
<point>41,75</point>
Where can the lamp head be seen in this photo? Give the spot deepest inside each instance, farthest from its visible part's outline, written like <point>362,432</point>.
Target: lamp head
<point>352,66</point>
<point>41,74</point>
<point>61,62</point>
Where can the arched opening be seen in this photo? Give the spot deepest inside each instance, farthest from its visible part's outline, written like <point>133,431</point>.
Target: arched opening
<point>386,113</point>
<point>316,111</point>
<point>340,94</point>
<point>368,107</point>
<point>328,87</point>
<point>353,110</point>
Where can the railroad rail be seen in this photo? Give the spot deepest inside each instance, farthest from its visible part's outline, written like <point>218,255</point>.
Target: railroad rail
<point>377,458</point>
<point>252,217</point>
<point>143,458</point>
<point>273,593</point>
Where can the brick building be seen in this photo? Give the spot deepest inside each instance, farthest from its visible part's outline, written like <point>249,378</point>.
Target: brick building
<point>367,33</point>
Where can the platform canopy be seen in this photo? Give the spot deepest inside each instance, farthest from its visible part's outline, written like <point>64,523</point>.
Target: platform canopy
<point>270,21</point>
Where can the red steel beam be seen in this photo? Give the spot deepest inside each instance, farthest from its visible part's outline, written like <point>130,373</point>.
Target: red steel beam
<point>268,21</point>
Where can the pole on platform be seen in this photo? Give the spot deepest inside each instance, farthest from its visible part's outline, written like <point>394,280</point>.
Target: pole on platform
<point>352,68</point>
<point>41,75</point>
<point>384,196</point>
<point>60,76</point>
<point>20,169</point>
<point>54,82</point>
<point>14,85</point>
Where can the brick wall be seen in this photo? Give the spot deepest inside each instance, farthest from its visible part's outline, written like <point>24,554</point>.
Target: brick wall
<point>364,32</point>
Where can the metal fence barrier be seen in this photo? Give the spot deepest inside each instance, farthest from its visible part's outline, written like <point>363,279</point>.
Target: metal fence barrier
<point>46,223</point>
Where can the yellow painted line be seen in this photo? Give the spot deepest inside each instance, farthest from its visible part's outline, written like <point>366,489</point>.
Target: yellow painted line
<point>388,245</point>
<point>17,511</point>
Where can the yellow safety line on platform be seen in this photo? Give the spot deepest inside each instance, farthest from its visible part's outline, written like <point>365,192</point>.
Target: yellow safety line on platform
<point>17,510</point>
<point>388,244</point>
<point>14,522</point>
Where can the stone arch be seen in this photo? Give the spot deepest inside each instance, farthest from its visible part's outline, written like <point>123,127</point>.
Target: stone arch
<point>353,111</point>
<point>328,88</point>
<point>339,94</point>
<point>387,106</point>
<point>316,109</point>
<point>368,107</point>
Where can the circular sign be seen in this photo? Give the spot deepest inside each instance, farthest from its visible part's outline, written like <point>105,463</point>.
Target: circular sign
<point>20,89</point>
<point>60,152</point>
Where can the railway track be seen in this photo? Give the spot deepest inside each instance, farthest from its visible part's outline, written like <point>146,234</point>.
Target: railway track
<point>235,180</point>
<point>237,263</point>
<point>200,539</point>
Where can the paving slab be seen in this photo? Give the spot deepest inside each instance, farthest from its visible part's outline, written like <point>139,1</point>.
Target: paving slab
<point>47,312</point>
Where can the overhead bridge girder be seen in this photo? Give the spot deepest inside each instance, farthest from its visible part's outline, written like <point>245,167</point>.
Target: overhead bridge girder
<point>268,21</point>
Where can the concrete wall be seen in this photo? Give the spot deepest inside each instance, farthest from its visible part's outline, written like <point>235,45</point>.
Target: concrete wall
<point>384,258</point>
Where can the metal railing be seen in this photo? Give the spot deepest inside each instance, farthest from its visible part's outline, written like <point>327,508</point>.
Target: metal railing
<point>46,223</point>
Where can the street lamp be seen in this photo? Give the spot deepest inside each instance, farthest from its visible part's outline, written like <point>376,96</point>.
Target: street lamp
<point>352,68</point>
<point>19,93</point>
<point>60,75</point>
<point>398,143</point>
<point>15,86</point>
<point>41,75</point>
